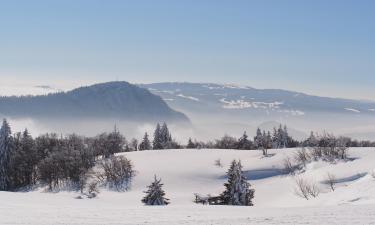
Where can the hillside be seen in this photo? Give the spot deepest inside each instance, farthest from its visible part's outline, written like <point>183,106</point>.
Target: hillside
<point>107,100</point>
<point>353,201</point>
<point>241,107</point>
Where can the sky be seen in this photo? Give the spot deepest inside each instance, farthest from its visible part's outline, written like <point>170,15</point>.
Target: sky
<point>318,47</point>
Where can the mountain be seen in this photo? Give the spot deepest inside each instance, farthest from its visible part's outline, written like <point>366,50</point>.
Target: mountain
<point>235,106</point>
<point>107,100</point>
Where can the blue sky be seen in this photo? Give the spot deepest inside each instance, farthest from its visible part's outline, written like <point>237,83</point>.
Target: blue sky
<point>318,47</point>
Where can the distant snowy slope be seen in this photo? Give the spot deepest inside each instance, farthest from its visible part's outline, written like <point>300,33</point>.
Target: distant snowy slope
<point>239,108</point>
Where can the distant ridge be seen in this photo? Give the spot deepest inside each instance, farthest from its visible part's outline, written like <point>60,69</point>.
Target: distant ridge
<point>105,100</point>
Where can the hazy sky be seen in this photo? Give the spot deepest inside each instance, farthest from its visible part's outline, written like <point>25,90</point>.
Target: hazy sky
<point>319,47</point>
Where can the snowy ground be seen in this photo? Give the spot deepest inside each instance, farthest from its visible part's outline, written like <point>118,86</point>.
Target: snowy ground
<point>185,172</point>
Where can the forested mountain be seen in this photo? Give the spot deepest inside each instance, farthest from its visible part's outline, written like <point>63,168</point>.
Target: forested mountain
<point>107,100</point>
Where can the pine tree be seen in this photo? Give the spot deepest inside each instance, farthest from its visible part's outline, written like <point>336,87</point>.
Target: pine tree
<point>275,139</point>
<point>24,160</point>
<point>145,144</point>
<point>258,139</point>
<point>243,142</point>
<point>190,144</point>
<point>237,189</point>
<point>6,147</point>
<point>157,142</point>
<point>155,194</point>
<point>165,135</point>
<point>285,137</point>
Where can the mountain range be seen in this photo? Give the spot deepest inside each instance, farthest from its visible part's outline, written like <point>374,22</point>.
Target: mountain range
<point>107,100</point>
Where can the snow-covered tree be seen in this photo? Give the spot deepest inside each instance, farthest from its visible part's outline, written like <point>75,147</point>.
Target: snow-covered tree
<point>6,147</point>
<point>165,135</point>
<point>312,140</point>
<point>157,142</point>
<point>285,137</point>
<point>237,189</point>
<point>244,143</point>
<point>258,139</point>
<point>155,195</point>
<point>145,144</point>
<point>190,144</point>
<point>24,160</point>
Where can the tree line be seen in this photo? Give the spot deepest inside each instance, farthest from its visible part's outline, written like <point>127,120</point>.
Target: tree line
<point>57,160</point>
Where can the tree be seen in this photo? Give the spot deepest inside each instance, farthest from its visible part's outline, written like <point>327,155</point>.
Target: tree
<point>6,147</point>
<point>24,160</point>
<point>244,143</point>
<point>285,137</point>
<point>165,135</point>
<point>237,189</point>
<point>190,144</point>
<point>155,194</point>
<point>134,145</point>
<point>157,142</point>
<point>258,139</point>
<point>115,143</point>
<point>145,144</point>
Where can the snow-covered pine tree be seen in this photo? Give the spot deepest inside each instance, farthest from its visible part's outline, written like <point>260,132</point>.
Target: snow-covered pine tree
<point>145,144</point>
<point>237,189</point>
<point>285,137</point>
<point>165,135</point>
<point>157,142</point>
<point>243,142</point>
<point>155,194</point>
<point>280,135</point>
<point>275,139</point>
<point>24,160</point>
<point>258,139</point>
<point>190,144</point>
<point>5,155</point>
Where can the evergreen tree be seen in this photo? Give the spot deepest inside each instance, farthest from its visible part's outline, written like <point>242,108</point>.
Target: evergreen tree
<point>258,139</point>
<point>190,144</point>
<point>155,194</point>
<point>237,189</point>
<point>157,142</point>
<point>6,147</point>
<point>285,137</point>
<point>24,160</point>
<point>244,143</point>
<point>145,144</point>
<point>165,135</point>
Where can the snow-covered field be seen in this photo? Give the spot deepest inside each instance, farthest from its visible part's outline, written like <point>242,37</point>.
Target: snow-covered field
<point>185,172</point>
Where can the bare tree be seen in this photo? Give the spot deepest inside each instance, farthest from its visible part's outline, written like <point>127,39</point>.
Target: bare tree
<point>116,172</point>
<point>302,156</point>
<point>306,189</point>
<point>331,180</point>
<point>289,168</point>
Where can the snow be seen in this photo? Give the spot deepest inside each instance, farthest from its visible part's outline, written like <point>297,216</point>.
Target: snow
<point>353,110</point>
<point>372,110</point>
<point>188,97</point>
<point>185,172</point>
<point>292,112</point>
<point>243,104</point>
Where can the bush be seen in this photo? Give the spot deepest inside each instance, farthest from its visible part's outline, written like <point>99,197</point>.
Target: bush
<point>305,189</point>
<point>116,173</point>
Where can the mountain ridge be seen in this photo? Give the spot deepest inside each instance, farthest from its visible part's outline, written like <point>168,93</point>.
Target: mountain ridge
<point>110,99</point>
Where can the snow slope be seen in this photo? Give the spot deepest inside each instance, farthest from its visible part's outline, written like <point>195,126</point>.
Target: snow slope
<point>185,172</point>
